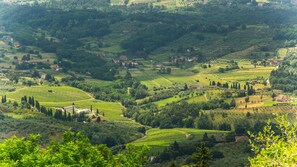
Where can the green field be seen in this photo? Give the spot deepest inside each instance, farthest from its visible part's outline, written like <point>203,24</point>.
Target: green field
<point>58,94</point>
<point>160,138</point>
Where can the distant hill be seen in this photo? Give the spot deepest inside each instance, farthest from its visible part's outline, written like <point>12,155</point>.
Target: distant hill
<point>95,4</point>
<point>65,4</point>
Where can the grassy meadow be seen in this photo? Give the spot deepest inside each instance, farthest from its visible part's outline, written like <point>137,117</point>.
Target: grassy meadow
<point>50,94</point>
<point>158,139</point>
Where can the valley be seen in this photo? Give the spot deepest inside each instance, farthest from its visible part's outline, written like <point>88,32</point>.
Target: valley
<point>173,76</point>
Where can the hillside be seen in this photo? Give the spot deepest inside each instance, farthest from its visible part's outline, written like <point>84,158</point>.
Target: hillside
<point>188,79</point>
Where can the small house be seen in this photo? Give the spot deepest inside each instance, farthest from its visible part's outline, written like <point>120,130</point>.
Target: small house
<point>82,111</point>
<point>283,99</point>
<point>262,2</point>
<point>55,67</point>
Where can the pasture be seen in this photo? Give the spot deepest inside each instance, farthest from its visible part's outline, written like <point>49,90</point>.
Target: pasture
<point>50,94</point>
<point>157,139</point>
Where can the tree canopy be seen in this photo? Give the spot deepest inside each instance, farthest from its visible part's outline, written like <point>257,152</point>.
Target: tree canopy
<point>273,148</point>
<point>74,150</point>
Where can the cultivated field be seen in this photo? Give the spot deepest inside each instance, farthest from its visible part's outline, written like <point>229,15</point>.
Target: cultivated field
<point>160,138</point>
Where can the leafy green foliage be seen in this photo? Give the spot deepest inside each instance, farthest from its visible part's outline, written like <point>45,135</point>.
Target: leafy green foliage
<point>75,150</point>
<point>275,149</point>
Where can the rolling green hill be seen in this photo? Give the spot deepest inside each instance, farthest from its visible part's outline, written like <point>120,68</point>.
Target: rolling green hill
<point>158,139</point>
<point>51,94</point>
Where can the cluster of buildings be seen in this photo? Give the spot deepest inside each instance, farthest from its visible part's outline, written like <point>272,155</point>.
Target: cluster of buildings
<point>267,2</point>
<point>73,109</point>
<point>126,62</point>
<point>189,3</point>
<point>273,61</point>
<point>178,59</point>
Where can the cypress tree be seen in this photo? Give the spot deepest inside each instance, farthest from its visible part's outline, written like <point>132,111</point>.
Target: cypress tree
<point>73,109</point>
<point>69,117</point>
<point>37,105</point>
<point>30,101</point>
<point>65,116</point>
<point>213,83</point>
<point>33,101</point>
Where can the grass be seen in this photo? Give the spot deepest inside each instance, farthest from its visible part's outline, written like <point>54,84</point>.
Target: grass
<point>42,94</point>
<point>151,79</point>
<point>163,102</point>
<point>157,139</point>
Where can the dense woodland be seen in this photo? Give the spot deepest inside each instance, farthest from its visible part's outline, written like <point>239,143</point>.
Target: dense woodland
<point>66,29</point>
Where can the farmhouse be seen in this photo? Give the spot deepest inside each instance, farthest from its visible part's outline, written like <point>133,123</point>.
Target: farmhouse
<point>273,62</point>
<point>125,62</point>
<point>262,2</point>
<point>8,39</point>
<point>82,111</point>
<point>72,108</point>
<point>183,59</point>
<point>55,67</point>
<point>283,98</point>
